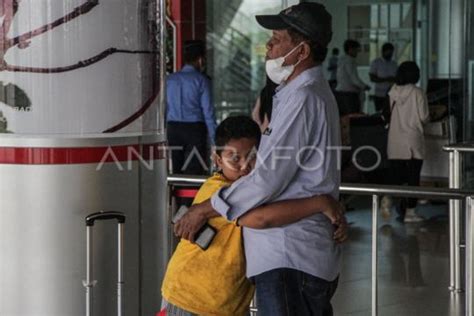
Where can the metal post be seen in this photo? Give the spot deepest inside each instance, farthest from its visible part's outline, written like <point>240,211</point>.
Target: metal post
<point>452,243</point>
<point>457,224</point>
<point>161,23</point>
<point>172,206</point>
<point>469,254</point>
<point>120,269</point>
<point>88,282</point>
<point>375,207</point>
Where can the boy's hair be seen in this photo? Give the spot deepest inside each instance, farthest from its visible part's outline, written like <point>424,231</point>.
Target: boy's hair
<point>349,44</point>
<point>407,73</point>
<point>236,127</point>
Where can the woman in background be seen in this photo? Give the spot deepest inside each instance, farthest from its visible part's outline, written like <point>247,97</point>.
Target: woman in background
<point>406,143</point>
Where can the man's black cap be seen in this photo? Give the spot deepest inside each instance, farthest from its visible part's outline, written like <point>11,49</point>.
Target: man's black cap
<point>309,18</point>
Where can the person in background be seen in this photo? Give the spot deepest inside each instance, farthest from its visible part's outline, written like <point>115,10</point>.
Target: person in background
<point>406,143</point>
<point>262,112</point>
<point>332,68</point>
<point>349,85</point>
<point>190,113</point>
<point>382,72</point>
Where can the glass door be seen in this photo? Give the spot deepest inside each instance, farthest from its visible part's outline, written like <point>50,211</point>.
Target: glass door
<point>236,60</point>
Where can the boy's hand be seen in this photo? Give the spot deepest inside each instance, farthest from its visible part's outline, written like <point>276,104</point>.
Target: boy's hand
<point>194,220</point>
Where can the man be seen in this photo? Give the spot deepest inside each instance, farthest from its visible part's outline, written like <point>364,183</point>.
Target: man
<point>332,68</point>
<point>382,72</point>
<point>349,85</point>
<point>190,113</point>
<point>295,267</point>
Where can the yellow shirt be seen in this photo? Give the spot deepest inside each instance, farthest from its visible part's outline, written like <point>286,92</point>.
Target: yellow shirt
<point>212,281</point>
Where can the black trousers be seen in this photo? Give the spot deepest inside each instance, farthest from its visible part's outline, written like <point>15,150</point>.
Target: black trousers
<point>406,171</point>
<point>188,146</point>
<point>348,102</point>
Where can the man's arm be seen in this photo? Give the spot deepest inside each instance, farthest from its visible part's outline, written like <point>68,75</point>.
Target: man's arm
<point>290,211</point>
<point>208,109</point>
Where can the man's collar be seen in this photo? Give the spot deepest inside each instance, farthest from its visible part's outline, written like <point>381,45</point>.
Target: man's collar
<point>304,77</point>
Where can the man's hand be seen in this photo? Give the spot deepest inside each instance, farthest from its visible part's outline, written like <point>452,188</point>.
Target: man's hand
<point>193,220</point>
<point>335,213</point>
<point>341,232</point>
<point>335,210</point>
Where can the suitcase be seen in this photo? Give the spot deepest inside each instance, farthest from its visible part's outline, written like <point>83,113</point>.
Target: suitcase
<point>89,283</point>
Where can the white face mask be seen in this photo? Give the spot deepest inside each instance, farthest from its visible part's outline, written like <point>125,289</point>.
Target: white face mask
<point>275,69</point>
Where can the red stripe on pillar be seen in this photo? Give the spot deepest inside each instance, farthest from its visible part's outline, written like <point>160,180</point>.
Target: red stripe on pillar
<point>81,155</point>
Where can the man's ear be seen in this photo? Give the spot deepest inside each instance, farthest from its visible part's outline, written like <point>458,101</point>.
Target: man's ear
<point>306,51</point>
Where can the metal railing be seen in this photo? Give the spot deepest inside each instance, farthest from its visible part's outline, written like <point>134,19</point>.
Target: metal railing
<point>456,217</point>
<point>400,191</point>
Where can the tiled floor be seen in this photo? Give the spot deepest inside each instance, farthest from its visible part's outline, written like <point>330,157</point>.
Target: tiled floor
<point>413,265</point>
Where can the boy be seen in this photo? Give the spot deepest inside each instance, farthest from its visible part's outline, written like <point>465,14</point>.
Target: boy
<point>213,282</point>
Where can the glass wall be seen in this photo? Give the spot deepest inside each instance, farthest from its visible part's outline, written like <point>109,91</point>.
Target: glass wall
<point>236,60</point>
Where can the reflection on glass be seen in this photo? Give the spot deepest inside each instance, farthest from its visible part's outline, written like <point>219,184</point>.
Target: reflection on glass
<point>237,53</point>
<point>370,25</point>
<point>403,251</point>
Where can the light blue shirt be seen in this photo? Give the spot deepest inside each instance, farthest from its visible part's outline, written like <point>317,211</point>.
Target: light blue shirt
<point>294,161</point>
<point>189,100</point>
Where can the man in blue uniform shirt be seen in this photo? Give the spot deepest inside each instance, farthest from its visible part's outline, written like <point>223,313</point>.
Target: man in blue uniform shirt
<point>190,113</point>
<point>295,267</point>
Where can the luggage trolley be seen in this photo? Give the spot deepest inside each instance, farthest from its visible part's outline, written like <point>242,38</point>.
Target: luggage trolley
<point>89,283</point>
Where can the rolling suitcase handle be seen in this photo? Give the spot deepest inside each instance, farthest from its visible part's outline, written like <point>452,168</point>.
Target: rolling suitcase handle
<point>89,283</point>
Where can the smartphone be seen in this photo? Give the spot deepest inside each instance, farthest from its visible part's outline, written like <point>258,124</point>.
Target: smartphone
<point>204,236</point>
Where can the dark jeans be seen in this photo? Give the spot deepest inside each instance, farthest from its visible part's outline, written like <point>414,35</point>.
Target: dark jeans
<point>189,152</point>
<point>348,102</point>
<point>406,171</point>
<point>289,292</point>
